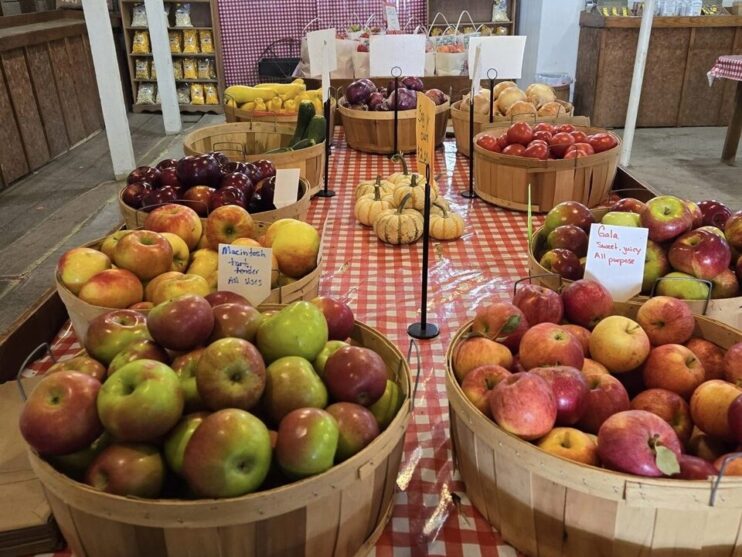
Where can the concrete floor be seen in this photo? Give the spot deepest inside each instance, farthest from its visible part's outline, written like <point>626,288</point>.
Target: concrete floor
<point>73,199</point>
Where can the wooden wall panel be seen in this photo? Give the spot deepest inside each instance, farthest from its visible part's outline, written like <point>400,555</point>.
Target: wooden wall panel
<point>87,94</point>
<point>22,96</point>
<point>93,81</point>
<point>67,93</point>
<point>13,163</point>
<point>50,108</point>
<point>586,76</point>
<point>617,52</point>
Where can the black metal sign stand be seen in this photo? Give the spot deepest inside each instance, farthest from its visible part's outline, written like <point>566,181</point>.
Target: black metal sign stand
<point>396,74</point>
<point>326,192</point>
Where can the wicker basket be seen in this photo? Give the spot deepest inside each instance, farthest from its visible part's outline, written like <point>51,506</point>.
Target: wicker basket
<point>373,132</point>
<point>503,179</point>
<point>134,218</point>
<point>548,506</point>
<point>82,313</point>
<point>233,114</point>
<point>340,513</point>
<point>248,141</point>
<point>460,119</point>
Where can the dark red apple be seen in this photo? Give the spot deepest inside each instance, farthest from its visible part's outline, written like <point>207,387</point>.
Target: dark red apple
<point>234,166</point>
<point>670,407</point>
<point>263,169</point>
<point>539,304</point>
<point>562,262</point>
<point>197,198</point>
<point>607,396</point>
<point>357,427</point>
<point>144,174</point>
<point>586,302</point>
<point>235,320</point>
<point>158,197</point>
<point>355,374</point>
<point>226,196</point>
<point>240,181</point>
<point>568,236</point>
<point>734,416</point>
<point>226,297</point>
<point>666,217</point>
<point>128,469</point>
<point>715,213</point>
<point>339,317</point>
<point>134,193</point>
<point>629,205</point>
<point>694,468</point>
<point>266,189</point>
<point>220,157</point>
<point>569,212</point>
<point>201,170</point>
<point>570,391</point>
<point>169,177</point>
<point>700,253</point>
<point>167,163</point>
<point>182,323</point>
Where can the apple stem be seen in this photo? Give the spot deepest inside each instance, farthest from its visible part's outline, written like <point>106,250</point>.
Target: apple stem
<point>654,442</point>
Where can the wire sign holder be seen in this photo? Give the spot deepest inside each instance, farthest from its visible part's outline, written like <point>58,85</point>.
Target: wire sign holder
<point>396,74</point>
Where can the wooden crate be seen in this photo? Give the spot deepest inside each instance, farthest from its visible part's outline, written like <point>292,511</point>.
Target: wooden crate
<point>340,513</point>
<point>504,179</point>
<point>248,141</point>
<point>548,506</point>
<point>134,218</point>
<point>460,119</point>
<point>373,132</point>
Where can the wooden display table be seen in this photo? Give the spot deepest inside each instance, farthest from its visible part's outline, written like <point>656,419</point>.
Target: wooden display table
<point>676,90</point>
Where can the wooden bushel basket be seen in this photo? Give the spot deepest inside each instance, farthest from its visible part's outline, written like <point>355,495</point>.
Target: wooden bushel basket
<point>547,506</point>
<point>460,119</point>
<point>249,141</point>
<point>373,131</point>
<point>134,218</point>
<point>503,179</point>
<point>340,513</point>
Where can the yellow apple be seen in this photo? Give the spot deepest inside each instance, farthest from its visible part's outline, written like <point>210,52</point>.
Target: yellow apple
<point>181,255</point>
<point>570,443</point>
<point>178,286</point>
<point>247,242</point>
<point>296,246</point>
<point>151,286</point>
<point>180,220</point>
<point>112,288</point>
<point>110,241</point>
<point>270,234</point>
<point>78,265</point>
<point>227,223</point>
<point>203,242</point>
<point>205,262</point>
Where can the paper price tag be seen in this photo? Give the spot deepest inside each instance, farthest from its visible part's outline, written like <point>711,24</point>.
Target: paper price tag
<point>322,53</point>
<point>287,187</point>
<point>245,270</point>
<point>503,54</point>
<point>404,51</point>
<point>615,258</point>
<point>392,18</point>
<point>425,131</point>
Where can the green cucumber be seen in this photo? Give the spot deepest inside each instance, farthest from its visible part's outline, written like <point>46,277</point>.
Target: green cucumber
<point>304,115</point>
<point>303,144</point>
<point>316,129</point>
<point>279,150</point>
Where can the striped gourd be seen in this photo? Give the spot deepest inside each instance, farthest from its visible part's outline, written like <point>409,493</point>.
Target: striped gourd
<point>370,205</point>
<point>400,225</point>
<point>367,186</point>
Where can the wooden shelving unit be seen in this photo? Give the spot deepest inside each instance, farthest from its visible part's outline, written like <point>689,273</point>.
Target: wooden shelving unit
<point>480,10</point>
<point>204,17</point>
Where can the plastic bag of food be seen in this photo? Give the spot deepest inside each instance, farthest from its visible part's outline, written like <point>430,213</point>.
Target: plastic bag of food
<point>189,68</point>
<point>190,41</point>
<point>203,68</point>
<point>141,68</point>
<point>177,69</point>
<point>140,43</point>
<point>183,15</point>
<point>146,93</point>
<point>176,45</point>
<point>184,93</point>
<point>210,93</point>
<point>153,70</point>
<point>451,57</point>
<point>197,93</point>
<point>206,40</point>
<point>212,69</point>
<point>138,16</point>
<point>500,10</point>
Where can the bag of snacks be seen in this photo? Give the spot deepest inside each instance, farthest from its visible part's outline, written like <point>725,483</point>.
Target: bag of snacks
<point>140,43</point>
<point>190,41</point>
<point>178,69</point>
<point>210,93</point>
<point>197,93</point>
<point>141,68</point>
<point>146,93</point>
<point>451,56</point>
<point>203,68</point>
<point>189,68</point>
<point>138,16</point>
<point>206,41</point>
<point>183,15</point>
<point>184,93</point>
<point>153,70</point>
<point>175,41</point>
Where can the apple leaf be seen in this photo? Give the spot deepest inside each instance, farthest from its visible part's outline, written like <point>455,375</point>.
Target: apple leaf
<point>666,460</point>
<point>510,325</point>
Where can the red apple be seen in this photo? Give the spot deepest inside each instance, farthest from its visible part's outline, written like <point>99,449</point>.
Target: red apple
<point>571,443</point>
<point>629,205</point>
<point>307,442</point>
<point>547,344</point>
<point>169,177</point>
<point>112,288</point>
<point>619,343</point>
<point>339,317</point>
<point>185,367</point>
<point>144,253</point>
<point>710,355</point>
<point>563,263</point>
<point>226,196</point>
<point>539,304</point>
<point>357,427</point>
<point>291,383</point>
<point>524,404</point>
<point>694,468</point>
<point>733,230</point>
<point>709,408</point>
<point>197,198</point>
<point>607,396</point>
<point>128,469</point>
<point>725,285</point>
<point>629,442</point>
<point>501,321</point>
<point>478,384</point>
<point>478,351</point>
<point>675,368</point>
<point>144,174</point>
<point>226,297</point>
<point>82,364</point>
<point>230,374</point>
<point>133,194</point>
<point>569,212</point>
<point>60,415</point>
<point>581,334</point>
<point>733,364</point>
<point>199,170</point>
<point>227,223</point>
<point>235,320</point>
<point>734,417</point>
<point>111,332</point>
<point>586,302</point>
<point>570,392</point>
<point>142,349</point>
<point>666,217</point>
<point>695,212</point>
<point>78,265</point>
<point>715,213</point>
<point>570,237</point>
<point>157,197</point>
<point>355,374</point>
<point>700,253</point>
<point>181,323</point>
<point>666,320</point>
<point>670,407</point>
<point>177,219</point>
<point>559,144</point>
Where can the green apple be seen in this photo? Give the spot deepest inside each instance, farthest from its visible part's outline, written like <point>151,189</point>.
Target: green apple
<point>307,442</point>
<point>176,441</point>
<point>75,464</point>
<point>228,455</point>
<point>330,348</point>
<point>656,265</point>
<point>185,366</point>
<point>386,408</point>
<point>292,383</point>
<point>141,401</point>
<point>683,286</point>
<point>299,329</point>
<point>142,349</point>
<point>621,218</point>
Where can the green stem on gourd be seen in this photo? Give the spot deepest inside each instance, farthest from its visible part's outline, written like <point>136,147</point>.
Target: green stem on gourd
<point>400,209</point>
<point>398,157</point>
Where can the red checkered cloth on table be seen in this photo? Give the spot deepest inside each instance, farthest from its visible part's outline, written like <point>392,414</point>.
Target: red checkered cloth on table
<point>432,515</point>
<point>249,28</point>
<point>727,67</point>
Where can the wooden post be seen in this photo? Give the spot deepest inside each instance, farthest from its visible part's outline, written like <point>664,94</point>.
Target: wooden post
<point>734,130</point>
<point>158,37</point>
<point>107,76</point>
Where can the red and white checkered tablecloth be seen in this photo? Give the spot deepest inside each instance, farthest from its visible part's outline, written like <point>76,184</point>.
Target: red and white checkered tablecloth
<point>727,67</point>
<point>249,28</point>
<point>432,515</point>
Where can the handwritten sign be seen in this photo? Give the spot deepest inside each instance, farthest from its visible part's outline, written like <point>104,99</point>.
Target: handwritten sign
<point>287,187</point>
<point>425,130</point>
<point>245,270</point>
<point>392,18</point>
<point>504,54</point>
<point>404,51</point>
<point>615,258</point>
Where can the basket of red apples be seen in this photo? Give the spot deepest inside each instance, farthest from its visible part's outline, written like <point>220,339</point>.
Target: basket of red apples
<point>367,111</point>
<point>693,252</point>
<point>580,424</point>
<point>558,162</point>
<point>215,425</point>
<point>204,183</point>
<point>174,254</point>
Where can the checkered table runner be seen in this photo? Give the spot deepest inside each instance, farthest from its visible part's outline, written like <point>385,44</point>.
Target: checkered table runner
<point>432,515</point>
<point>727,67</point>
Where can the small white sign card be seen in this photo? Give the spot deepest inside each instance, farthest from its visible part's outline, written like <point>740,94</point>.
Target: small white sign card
<point>287,187</point>
<point>392,18</point>
<point>503,54</point>
<point>476,84</point>
<point>322,56</point>
<point>245,270</point>
<point>404,51</point>
<point>615,258</point>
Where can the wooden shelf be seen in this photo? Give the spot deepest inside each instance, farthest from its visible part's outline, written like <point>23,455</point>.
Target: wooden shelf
<point>179,80</point>
<point>177,55</point>
<point>195,28</point>
<point>215,108</point>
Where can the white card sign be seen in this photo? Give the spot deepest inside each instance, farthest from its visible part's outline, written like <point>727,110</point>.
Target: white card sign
<point>322,53</point>
<point>404,51</point>
<point>504,54</point>
<point>287,187</point>
<point>245,270</point>
<point>392,18</point>
<point>615,258</point>
<point>476,84</point>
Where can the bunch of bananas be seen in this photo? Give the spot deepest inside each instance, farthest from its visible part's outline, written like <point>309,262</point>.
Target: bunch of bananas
<point>279,98</point>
